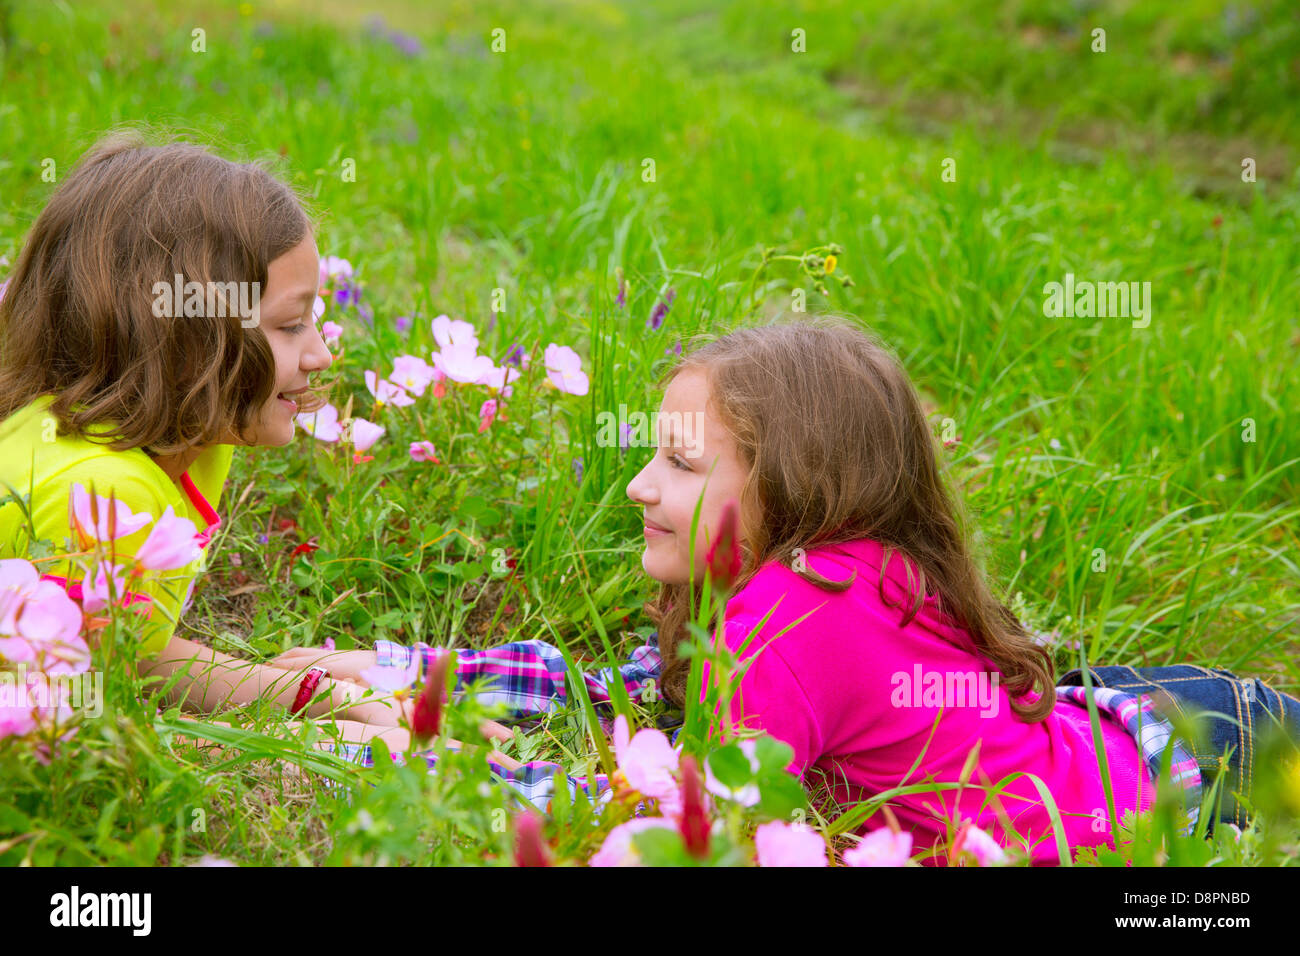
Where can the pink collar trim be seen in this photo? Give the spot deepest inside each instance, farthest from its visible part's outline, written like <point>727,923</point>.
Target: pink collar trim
<point>206,510</point>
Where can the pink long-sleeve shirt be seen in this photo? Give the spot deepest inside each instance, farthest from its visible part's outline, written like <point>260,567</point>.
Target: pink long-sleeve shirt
<point>857,697</point>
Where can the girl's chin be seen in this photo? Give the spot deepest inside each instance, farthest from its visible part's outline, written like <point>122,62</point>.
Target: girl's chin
<point>654,569</point>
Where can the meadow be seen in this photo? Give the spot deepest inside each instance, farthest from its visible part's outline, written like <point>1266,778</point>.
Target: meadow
<point>617,179</point>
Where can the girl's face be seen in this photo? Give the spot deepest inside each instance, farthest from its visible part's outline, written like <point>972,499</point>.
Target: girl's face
<point>290,328</point>
<point>693,446</point>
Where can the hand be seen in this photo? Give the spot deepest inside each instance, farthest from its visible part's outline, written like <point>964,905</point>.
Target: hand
<point>388,711</point>
<point>345,664</point>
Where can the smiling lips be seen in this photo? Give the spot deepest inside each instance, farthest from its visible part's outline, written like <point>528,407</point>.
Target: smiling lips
<point>653,530</point>
<point>290,402</point>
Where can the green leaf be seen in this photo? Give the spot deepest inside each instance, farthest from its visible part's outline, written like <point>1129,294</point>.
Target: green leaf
<point>661,847</point>
<point>781,796</point>
<point>772,754</point>
<point>469,570</point>
<point>731,767</point>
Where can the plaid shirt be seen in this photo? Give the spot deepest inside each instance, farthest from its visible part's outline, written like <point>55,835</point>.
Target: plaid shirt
<point>528,677</point>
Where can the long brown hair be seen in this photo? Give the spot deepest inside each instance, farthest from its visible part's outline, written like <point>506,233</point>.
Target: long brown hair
<point>77,318</point>
<point>838,449</point>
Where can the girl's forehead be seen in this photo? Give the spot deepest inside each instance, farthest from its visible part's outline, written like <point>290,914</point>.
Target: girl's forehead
<point>685,418</point>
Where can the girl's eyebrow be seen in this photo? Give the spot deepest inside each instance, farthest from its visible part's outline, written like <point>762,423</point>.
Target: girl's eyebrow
<point>299,301</point>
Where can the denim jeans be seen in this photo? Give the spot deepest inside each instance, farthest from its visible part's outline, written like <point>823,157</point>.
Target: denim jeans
<point>1237,712</point>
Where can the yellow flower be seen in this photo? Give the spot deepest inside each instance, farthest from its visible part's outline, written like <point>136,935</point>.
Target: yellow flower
<point>830,264</point>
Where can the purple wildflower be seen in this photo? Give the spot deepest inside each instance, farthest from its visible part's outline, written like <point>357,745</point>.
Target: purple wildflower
<point>403,323</point>
<point>625,437</point>
<point>515,356</point>
<point>348,293</point>
<point>577,468</point>
<point>406,43</point>
<point>622,289</point>
<point>375,25</point>
<point>661,309</point>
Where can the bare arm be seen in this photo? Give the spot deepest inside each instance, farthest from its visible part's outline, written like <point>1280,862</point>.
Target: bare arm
<point>210,681</point>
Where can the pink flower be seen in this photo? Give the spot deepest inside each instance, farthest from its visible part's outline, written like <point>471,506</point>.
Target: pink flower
<point>97,592</point>
<point>39,623</point>
<point>617,850</point>
<point>412,373</point>
<point>486,413</point>
<point>694,821</point>
<point>462,363</point>
<point>385,392</point>
<point>99,519</point>
<point>33,702</point>
<point>454,334</point>
<point>787,844</point>
<point>170,544</point>
<point>426,716</point>
<point>331,332</point>
<point>16,718</point>
<point>365,434</point>
<point>17,577</point>
<point>499,378</point>
<point>392,679</point>
<point>333,267</point>
<point>328,644</point>
<point>530,848</point>
<point>323,424</point>
<point>971,839</point>
<point>881,847</point>
<point>424,451</point>
<point>724,558</point>
<point>648,761</point>
<point>564,369</point>
<point>318,309</point>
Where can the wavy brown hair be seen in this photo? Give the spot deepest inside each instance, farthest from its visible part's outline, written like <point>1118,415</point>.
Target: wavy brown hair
<point>77,318</point>
<point>838,449</point>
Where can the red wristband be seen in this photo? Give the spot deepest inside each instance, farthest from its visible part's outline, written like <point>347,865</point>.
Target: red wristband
<point>307,688</point>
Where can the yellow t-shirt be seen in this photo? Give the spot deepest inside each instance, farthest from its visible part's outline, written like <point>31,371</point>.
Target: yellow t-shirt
<point>36,462</point>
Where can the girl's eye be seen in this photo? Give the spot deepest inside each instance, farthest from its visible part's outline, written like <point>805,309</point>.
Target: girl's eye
<point>296,329</point>
<point>676,462</point>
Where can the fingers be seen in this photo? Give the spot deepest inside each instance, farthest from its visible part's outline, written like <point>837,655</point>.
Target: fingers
<point>501,760</point>
<point>494,731</point>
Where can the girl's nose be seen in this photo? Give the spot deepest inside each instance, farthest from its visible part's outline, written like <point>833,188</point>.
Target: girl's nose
<point>641,490</point>
<point>317,358</point>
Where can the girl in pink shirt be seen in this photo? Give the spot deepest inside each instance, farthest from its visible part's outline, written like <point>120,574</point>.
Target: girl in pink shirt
<point>887,663</point>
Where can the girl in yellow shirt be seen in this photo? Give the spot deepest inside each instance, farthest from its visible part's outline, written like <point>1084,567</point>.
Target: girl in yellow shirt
<point>160,313</point>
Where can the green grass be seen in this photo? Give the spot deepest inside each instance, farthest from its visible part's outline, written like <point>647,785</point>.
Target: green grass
<point>522,172</point>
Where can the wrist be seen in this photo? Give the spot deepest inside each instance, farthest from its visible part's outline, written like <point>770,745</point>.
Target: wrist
<point>308,687</point>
